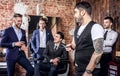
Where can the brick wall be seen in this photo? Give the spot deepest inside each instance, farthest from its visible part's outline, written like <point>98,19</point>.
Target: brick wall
<point>6,7</point>
<point>55,8</point>
<point>58,8</point>
<point>62,9</point>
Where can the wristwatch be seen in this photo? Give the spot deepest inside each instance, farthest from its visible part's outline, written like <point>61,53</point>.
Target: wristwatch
<point>88,71</point>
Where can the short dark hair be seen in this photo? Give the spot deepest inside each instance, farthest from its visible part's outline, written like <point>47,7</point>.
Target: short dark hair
<point>85,5</point>
<point>109,18</point>
<point>17,15</point>
<point>61,34</point>
<point>43,19</point>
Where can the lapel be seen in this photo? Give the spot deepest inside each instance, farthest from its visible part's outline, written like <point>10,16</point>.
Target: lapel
<point>75,34</point>
<point>47,36</point>
<point>38,32</point>
<point>53,47</point>
<point>22,35</point>
<point>14,34</point>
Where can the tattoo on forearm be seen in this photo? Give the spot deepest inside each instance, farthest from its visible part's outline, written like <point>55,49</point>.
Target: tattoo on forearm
<point>97,60</point>
<point>98,45</point>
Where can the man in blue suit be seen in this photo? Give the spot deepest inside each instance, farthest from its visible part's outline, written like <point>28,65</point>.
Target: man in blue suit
<point>13,39</point>
<point>38,43</point>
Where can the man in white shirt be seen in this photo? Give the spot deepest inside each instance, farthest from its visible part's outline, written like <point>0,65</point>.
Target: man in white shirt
<point>87,40</point>
<point>38,43</point>
<point>110,38</point>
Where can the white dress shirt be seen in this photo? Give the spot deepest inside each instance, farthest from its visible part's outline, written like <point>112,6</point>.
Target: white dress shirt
<point>97,31</point>
<point>111,38</point>
<point>18,33</point>
<point>42,38</point>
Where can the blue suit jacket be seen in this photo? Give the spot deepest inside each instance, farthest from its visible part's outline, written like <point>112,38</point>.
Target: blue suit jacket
<point>35,40</point>
<point>9,36</point>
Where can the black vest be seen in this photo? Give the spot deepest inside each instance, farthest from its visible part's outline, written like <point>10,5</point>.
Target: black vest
<point>84,47</point>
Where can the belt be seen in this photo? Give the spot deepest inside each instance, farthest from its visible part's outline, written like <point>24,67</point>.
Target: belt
<point>107,53</point>
<point>42,47</point>
<point>35,59</point>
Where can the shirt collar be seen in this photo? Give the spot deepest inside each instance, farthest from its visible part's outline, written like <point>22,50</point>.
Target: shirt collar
<point>84,25</point>
<point>44,30</point>
<point>108,30</point>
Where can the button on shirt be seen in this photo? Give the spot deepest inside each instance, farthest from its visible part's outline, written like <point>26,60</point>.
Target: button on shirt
<point>42,38</point>
<point>111,38</point>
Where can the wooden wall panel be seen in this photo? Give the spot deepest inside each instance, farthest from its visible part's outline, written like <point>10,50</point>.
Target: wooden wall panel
<point>103,8</point>
<point>115,13</point>
<point>100,9</point>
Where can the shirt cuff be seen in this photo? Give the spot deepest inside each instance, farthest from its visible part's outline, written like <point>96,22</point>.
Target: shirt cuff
<point>51,60</point>
<point>58,58</point>
<point>13,44</point>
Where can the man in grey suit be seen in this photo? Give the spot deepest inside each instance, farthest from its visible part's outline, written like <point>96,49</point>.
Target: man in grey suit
<point>38,43</point>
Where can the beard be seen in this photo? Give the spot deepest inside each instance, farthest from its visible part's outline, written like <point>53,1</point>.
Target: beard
<point>79,21</point>
<point>18,26</point>
<point>106,26</point>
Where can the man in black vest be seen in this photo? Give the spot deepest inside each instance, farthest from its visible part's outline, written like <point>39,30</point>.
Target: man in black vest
<point>87,41</point>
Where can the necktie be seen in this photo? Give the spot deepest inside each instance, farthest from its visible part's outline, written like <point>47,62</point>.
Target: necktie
<point>55,48</point>
<point>105,35</point>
